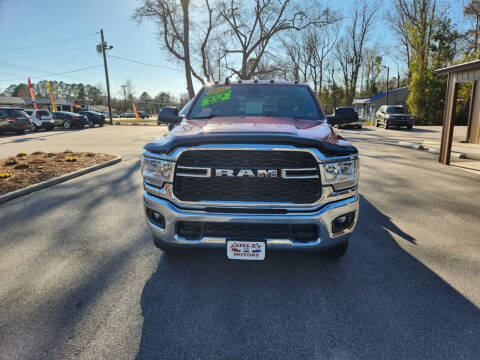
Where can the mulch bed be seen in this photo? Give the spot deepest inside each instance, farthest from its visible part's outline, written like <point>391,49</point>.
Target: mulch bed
<point>23,170</point>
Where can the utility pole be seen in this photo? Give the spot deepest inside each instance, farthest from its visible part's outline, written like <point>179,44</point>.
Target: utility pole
<point>104,48</point>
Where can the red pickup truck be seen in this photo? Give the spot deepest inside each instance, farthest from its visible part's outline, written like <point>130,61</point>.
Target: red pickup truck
<point>253,162</point>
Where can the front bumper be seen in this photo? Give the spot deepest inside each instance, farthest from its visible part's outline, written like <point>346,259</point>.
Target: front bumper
<point>322,217</point>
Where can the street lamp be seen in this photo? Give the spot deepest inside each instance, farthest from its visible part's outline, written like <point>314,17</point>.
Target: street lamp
<point>388,79</point>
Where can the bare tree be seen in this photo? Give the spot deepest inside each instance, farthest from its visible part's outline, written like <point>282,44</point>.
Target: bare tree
<point>399,23</point>
<point>174,26</point>
<point>350,49</point>
<point>252,29</point>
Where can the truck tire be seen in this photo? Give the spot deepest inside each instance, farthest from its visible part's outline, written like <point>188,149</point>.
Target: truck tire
<point>336,252</point>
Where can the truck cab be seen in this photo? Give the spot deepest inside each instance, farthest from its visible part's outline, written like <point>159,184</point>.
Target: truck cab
<point>251,165</point>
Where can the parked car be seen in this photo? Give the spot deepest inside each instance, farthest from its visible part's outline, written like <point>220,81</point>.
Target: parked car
<point>357,124</point>
<point>41,119</point>
<point>143,114</point>
<point>14,120</point>
<point>69,120</point>
<point>393,115</point>
<point>94,118</point>
<point>127,115</point>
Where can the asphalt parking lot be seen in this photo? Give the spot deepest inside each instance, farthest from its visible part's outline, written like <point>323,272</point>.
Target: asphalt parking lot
<point>81,279</point>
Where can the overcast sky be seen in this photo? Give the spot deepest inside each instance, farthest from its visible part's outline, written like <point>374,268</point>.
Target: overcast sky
<point>25,24</point>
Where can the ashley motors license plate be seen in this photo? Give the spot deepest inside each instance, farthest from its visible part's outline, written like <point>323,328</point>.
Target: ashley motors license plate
<point>246,250</point>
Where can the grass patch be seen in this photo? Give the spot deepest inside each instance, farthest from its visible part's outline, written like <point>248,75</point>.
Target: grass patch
<point>18,173</point>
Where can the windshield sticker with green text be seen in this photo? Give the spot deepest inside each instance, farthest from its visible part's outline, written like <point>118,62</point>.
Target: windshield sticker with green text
<point>215,95</point>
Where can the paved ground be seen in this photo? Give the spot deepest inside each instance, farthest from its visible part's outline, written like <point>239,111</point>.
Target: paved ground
<point>80,278</point>
<point>430,138</point>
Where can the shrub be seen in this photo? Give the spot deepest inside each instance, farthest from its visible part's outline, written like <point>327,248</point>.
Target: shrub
<point>11,162</point>
<point>37,153</point>
<point>91,154</point>
<point>71,158</point>
<point>21,166</point>
<point>68,151</point>
<point>22,154</point>
<point>5,175</point>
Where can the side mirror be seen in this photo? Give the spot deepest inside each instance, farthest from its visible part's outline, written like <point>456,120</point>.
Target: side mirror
<point>169,114</point>
<point>343,116</point>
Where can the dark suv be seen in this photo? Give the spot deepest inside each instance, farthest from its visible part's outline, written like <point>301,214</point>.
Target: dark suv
<point>94,118</point>
<point>69,119</point>
<point>15,120</point>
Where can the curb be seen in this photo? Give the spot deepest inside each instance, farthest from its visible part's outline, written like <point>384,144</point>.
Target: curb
<point>44,184</point>
<point>454,154</point>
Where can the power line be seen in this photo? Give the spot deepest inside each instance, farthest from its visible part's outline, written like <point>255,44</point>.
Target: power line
<point>60,73</point>
<point>46,54</point>
<point>49,43</point>
<point>142,63</point>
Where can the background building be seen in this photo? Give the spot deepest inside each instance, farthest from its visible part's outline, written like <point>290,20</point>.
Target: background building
<point>367,107</point>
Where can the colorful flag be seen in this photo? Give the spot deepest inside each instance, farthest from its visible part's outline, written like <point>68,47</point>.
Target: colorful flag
<point>52,100</point>
<point>32,94</point>
<point>134,109</point>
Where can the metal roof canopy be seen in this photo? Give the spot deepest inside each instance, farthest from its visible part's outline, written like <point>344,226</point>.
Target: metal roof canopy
<point>466,72</point>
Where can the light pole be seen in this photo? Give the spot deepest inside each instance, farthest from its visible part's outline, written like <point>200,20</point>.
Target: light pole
<point>388,79</point>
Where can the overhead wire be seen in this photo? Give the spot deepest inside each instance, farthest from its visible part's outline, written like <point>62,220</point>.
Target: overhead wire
<point>47,54</point>
<point>143,63</point>
<point>59,73</point>
<point>50,43</point>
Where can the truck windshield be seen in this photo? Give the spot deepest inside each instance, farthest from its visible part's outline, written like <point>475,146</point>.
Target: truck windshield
<point>256,100</point>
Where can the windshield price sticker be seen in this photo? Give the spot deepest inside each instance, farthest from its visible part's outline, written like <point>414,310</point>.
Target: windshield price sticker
<point>216,95</point>
<point>246,250</point>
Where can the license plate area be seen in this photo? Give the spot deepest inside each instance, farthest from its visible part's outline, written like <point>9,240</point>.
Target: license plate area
<point>246,250</point>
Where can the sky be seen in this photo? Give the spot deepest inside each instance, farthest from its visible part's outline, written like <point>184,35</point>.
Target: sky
<point>73,26</point>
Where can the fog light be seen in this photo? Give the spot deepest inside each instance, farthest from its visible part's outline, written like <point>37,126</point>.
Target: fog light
<point>342,219</point>
<point>156,218</point>
<point>343,222</point>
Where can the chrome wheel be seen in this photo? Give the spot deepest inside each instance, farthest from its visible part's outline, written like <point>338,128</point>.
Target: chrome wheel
<point>67,125</point>
<point>90,123</point>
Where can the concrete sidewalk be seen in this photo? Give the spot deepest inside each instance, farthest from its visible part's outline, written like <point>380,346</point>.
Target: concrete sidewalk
<point>429,138</point>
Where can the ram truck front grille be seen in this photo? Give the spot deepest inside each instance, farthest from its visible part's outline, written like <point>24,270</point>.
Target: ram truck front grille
<point>247,176</point>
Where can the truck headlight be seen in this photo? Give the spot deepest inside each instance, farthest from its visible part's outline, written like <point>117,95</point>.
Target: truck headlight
<point>341,175</point>
<point>156,169</point>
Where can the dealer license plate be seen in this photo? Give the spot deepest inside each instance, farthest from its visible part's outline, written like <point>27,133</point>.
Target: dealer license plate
<point>246,250</point>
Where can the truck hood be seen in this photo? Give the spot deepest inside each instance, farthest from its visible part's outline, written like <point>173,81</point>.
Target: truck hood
<point>254,130</point>
<point>304,128</point>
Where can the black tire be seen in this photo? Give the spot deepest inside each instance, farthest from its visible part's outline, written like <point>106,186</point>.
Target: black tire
<point>336,252</point>
<point>91,124</point>
<point>385,124</point>
<point>409,127</point>
<point>21,132</point>
<point>376,123</point>
<point>167,248</point>
<point>35,127</point>
<point>101,124</point>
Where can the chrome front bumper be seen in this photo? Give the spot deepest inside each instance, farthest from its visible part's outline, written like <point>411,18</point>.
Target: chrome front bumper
<point>322,217</point>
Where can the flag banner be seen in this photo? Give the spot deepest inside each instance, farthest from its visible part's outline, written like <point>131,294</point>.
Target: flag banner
<point>52,100</point>
<point>32,94</point>
<point>134,109</point>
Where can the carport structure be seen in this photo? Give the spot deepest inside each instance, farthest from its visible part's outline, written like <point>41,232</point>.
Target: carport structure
<point>466,72</point>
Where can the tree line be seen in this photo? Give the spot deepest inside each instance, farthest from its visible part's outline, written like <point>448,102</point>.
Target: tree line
<point>336,52</point>
<point>96,95</point>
